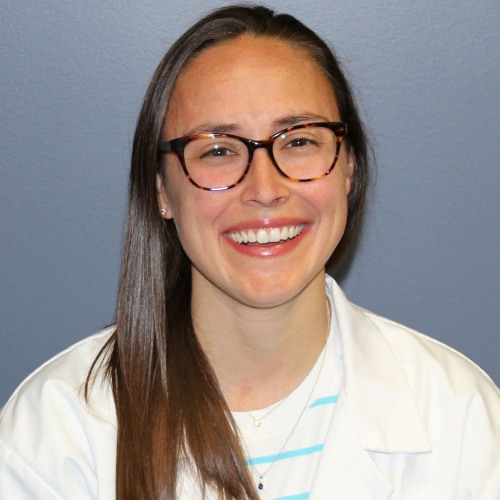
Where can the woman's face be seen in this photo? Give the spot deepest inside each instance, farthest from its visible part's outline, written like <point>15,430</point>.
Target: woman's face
<point>254,87</point>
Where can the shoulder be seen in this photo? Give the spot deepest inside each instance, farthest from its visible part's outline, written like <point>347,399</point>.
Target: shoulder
<point>456,401</point>
<point>51,437</point>
<point>425,360</point>
<point>62,376</point>
<point>420,357</point>
<point>397,362</point>
<point>56,386</point>
<point>405,392</point>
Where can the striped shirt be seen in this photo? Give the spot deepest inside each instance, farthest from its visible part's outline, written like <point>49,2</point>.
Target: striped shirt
<point>285,449</point>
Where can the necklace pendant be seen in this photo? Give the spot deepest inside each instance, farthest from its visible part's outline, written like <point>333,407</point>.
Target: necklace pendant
<point>261,485</point>
<point>256,422</point>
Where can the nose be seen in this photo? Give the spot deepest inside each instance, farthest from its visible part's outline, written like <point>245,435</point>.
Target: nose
<point>264,185</point>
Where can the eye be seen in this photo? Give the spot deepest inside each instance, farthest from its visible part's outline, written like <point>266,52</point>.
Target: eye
<point>300,142</point>
<point>216,151</point>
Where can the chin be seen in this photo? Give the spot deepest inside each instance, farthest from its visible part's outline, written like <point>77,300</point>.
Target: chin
<point>273,290</point>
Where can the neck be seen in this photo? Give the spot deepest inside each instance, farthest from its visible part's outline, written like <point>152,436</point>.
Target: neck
<point>260,355</point>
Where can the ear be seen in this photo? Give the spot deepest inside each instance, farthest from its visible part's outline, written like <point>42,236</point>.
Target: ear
<point>163,202</point>
<point>350,168</point>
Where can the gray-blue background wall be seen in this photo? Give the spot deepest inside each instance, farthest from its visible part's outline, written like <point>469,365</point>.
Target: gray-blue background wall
<point>72,78</point>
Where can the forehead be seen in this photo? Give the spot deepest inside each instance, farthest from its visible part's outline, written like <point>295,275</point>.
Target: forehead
<point>247,79</point>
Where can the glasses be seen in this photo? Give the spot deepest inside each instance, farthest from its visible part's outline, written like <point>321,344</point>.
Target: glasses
<point>216,162</point>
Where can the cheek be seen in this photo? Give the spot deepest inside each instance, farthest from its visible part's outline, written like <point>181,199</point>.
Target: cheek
<point>340,190</point>
<point>332,209</point>
<point>332,201</point>
<point>196,215</point>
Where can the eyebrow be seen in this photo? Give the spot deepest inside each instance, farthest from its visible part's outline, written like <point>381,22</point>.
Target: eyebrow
<point>291,120</point>
<point>279,123</point>
<point>216,128</point>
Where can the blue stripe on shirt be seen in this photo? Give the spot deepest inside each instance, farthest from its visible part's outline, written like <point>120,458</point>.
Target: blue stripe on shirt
<point>285,455</point>
<point>300,496</point>
<point>324,401</point>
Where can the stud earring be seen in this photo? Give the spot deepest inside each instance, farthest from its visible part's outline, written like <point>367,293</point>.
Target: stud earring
<point>163,212</point>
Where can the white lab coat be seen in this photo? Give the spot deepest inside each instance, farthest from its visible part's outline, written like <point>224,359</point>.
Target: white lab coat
<point>414,420</point>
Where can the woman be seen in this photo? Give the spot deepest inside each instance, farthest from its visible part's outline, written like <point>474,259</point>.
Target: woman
<point>237,368</point>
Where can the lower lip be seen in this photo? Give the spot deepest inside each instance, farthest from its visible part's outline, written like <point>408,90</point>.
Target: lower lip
<point>268,250</point>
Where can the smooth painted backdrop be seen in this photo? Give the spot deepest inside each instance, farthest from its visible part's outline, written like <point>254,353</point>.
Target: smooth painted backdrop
<point>72,76</point>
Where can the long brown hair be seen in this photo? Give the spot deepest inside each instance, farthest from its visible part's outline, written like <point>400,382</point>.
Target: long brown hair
<point>171,412</point>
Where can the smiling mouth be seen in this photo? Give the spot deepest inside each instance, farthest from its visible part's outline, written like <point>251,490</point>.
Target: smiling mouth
<point>264,236</point>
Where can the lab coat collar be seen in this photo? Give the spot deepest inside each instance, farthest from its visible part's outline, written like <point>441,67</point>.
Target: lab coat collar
<point>375,392</point>
<point>375,411</point>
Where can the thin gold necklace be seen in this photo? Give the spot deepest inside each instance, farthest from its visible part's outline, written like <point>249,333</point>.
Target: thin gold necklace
<point>257,422</point>
<point>260,474</point>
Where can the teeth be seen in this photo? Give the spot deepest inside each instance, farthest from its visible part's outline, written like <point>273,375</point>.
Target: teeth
<point>262,236</point>
<point>252,237</point>
<point>266,235</point>
<point>274,235</point>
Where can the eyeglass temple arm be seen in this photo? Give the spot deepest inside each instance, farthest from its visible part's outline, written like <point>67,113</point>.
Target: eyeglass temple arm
<point>165,147</point>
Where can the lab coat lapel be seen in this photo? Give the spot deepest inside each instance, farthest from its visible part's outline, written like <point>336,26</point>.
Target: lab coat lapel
<point>375,412</point>
<point>346,470</point>
<point>374,388</point>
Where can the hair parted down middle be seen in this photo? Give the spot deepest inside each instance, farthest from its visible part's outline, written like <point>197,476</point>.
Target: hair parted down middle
<point>171,413</point>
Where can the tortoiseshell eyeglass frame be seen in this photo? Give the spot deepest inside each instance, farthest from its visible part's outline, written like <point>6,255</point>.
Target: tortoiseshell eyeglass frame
<point>177,146</point>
